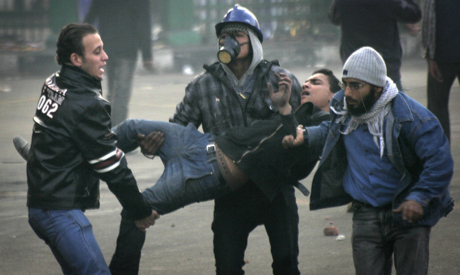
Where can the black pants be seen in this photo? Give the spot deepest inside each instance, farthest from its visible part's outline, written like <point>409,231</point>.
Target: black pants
<point>237,214</point>
<point>127,255</point>
<point>438,93</point>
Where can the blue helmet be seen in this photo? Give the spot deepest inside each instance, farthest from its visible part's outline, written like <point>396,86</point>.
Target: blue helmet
<point>240,15</point>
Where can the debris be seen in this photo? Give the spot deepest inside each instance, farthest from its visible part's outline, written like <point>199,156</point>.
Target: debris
<point>331,231</point>
<point>5,89</point>
<point>340,237</point>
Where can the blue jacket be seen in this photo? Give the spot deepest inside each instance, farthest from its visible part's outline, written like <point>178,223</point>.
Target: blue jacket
<point>414,142</point>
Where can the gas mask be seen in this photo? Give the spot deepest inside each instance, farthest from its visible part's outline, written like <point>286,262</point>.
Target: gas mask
<point>229,50</point>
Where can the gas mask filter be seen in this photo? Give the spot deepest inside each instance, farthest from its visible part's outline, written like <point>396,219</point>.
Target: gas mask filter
<point>229,50</point>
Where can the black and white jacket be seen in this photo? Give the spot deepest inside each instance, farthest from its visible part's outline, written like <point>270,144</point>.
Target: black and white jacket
<point>73,147</point>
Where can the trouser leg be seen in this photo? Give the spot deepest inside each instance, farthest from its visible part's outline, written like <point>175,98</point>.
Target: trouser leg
<point>281,223</point>
<point>120,72</point>
<point>70,236</point>
<point>127,256</point>
<point>231,233</point>
<point>411,250</point>
<point>238,213</point>
<point>372,252</point>
<point>438,94</point>
<point>235,216</point>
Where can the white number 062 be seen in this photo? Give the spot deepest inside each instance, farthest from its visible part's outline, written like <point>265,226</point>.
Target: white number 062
<point>47,106</point>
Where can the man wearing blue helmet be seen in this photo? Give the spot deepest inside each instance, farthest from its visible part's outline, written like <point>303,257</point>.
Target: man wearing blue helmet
<point>234,93</point>
<point>229,93</point>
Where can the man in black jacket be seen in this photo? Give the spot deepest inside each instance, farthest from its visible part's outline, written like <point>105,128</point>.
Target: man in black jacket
<point>72,148</point>
<point>126,28</point>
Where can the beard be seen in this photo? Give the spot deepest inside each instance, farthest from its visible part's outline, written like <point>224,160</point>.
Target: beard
<point>365,105</point>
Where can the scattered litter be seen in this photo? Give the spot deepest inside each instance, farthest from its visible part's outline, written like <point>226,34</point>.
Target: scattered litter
<point>340,237</point>
<point>5,89</point>
<point>331,231</point>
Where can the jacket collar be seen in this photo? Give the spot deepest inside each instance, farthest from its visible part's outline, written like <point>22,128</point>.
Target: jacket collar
<point>74,77</point>
<point>77,74</point>
<point>401,109</point>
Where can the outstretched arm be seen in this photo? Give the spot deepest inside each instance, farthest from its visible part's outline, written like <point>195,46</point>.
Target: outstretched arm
<point>281,100</point>
<point>145,223</point>
<point>291,141</point>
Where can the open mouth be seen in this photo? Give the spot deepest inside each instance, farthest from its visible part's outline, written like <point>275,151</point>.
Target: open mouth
<point>305,93</point>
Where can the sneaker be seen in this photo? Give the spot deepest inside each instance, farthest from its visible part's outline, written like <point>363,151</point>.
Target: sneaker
<point>22,146</point>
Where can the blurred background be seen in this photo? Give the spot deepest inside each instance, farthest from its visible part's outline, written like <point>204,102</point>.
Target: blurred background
<point>296,32</point>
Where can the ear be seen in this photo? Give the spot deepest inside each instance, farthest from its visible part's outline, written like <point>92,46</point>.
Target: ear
<point>76,59</point>
<point>379,92</point>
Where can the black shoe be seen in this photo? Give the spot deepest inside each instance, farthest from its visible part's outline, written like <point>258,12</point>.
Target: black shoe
<point>22,146</point>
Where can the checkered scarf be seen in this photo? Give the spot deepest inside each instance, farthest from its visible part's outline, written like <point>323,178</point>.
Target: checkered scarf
<point>374,117</point>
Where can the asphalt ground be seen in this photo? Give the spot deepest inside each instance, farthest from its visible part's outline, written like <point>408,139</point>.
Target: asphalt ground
<point>181,242</point>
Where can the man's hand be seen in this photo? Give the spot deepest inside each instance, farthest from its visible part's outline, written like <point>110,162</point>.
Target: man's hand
<point>434,70</point>
<point>410,210</point>
<point>151,143</point>
<point>281,98</point>
<point>147,222</point>
<point>414,29</point>
<point>290,141</point>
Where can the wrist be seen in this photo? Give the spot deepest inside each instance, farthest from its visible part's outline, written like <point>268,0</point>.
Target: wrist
<point>285,110</point>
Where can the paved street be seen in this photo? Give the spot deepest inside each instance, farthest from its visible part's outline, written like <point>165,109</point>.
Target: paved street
<point>181,243</point>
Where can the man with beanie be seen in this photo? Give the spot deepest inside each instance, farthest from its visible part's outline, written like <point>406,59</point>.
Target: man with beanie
<point>388,155</point>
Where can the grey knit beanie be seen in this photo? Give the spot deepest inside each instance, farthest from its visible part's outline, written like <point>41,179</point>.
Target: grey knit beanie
<point>367,65</point>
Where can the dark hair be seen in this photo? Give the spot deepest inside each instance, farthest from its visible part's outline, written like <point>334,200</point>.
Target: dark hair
<point>71,41</point>
<point>334,82</point>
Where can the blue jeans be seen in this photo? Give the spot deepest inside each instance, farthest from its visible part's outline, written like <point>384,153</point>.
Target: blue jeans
<point>70,236</point>
<point>376,241</point>
<point>120,71</point>
<point>189,176</point>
